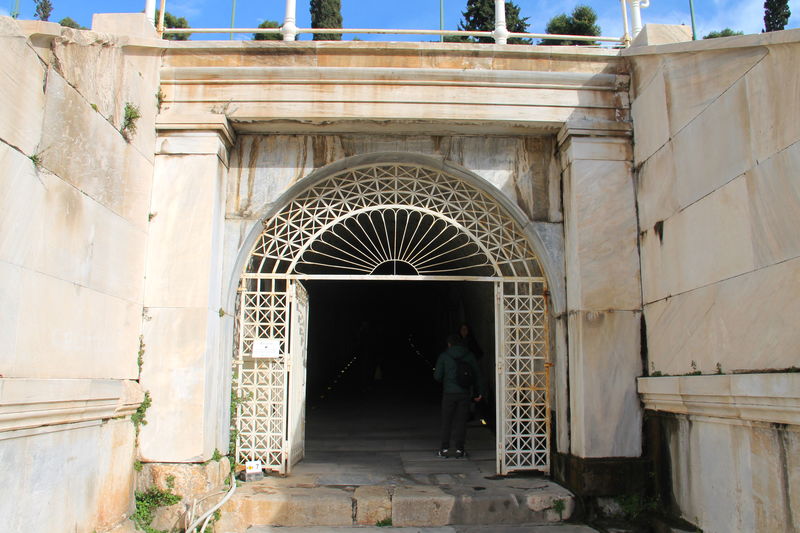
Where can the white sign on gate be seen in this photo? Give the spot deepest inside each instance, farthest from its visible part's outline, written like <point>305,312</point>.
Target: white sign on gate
<point>266,348</point>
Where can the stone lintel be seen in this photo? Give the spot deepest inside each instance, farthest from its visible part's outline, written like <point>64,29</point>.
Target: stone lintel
<point>31,403</point>
<point>768,397</point>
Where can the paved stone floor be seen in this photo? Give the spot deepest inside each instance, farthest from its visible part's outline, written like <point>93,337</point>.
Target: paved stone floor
<point>368,459</point>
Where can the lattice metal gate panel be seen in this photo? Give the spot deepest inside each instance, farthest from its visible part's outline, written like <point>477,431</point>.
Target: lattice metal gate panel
<point>380,219</point>
<point>261,383</point>
<point>523,433</point>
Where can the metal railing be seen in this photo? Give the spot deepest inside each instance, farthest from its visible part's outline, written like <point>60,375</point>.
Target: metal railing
<point>289,30</point>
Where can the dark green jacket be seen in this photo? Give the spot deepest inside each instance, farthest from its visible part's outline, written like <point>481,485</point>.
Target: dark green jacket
<point>446,368</point>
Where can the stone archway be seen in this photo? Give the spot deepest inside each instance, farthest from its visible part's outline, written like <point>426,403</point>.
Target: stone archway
<point>350,221</point>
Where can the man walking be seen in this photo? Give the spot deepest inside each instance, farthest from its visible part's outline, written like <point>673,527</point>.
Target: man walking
<point>457,371</point>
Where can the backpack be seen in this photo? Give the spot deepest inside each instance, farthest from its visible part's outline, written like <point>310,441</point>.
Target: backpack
<point>465,376</point>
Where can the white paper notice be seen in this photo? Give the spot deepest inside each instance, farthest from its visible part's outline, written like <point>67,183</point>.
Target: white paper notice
<point>266,348</point>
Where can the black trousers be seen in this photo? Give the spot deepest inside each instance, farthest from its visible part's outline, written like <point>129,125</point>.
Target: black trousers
<point>455,410</point>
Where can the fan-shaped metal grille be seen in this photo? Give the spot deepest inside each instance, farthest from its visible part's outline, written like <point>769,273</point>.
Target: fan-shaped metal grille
<point>387,217</point>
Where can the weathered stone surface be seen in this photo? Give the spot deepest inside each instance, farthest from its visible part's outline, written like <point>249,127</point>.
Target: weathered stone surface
<point>696,81</point>
<point>373,505</point>
<point>649,113</point>
<point>188,191</point>
<point>22,98</point>
<point>705,243</point>
<point>84,149</point>
<point>739,467</point>
<point>90,334</point>
<point>716,324</point>
<point>772,96</point>
<point>177,340</point>
<point>62,233</point>
<point>604,361</point>
<point>421,506</point>
<point>96,459</point>
<point>697,173</point>
<point>287,507</point>
<point>185,479</point>
<point>656,189</point>
<point>601,236</point>
<point>653,34</point>
<point>774,205</point>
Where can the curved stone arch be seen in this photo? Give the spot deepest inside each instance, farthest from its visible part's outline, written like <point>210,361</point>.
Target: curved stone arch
<point>544,239</point>
<point>375,183</point>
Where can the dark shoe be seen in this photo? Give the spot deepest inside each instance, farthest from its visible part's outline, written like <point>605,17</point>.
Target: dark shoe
<point>460,454</point>
<point>443,453</point>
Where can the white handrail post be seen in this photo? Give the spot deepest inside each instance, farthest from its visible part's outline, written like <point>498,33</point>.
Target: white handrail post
<point>500,33</point>
<point>289,28</point>
<point>626,37</point>
<point>636,17</point>
<point>150,10</point>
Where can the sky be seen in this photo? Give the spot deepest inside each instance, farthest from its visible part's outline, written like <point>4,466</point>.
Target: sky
<point>710,15</point>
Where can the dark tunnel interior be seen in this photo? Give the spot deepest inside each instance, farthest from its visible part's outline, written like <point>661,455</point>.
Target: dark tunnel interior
<point>376,342</point>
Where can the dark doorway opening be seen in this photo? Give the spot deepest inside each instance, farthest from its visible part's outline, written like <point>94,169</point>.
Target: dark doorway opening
<point>371,351</point>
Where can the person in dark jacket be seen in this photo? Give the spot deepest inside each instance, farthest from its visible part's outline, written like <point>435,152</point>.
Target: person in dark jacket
<point>455,397</point>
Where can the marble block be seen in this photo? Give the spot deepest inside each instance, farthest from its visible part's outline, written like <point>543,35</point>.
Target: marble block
<point>743,323</point>
<point>604,361</point>
<point>22,98</point>
<point>703,149</point>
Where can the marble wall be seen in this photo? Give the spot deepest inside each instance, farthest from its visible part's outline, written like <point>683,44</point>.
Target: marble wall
<point>717,155</point>
<point>74,203</point>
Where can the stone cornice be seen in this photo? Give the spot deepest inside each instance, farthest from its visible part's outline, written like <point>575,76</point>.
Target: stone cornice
<point>27,404</point>
<point>773,398</point>
<point>301,75</point>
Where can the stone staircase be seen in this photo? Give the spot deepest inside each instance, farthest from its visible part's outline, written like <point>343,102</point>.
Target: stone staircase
<point>420,501</point>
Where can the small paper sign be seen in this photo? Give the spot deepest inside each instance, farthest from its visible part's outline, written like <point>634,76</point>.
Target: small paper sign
<point>252,467</point>
<point>266,348</point>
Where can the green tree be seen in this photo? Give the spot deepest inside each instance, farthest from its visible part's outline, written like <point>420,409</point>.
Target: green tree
<point>479,16</point>
<point>727,32</point>
<point>171,21</point>
<point>69,23</point>
<point>43,9</point>
<point>326,14</point>
<point>268,36</point>
<point>776,14</point>
<point>583,21</point>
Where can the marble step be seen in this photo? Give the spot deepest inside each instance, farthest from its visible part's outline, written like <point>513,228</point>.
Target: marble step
<point>471,502</point>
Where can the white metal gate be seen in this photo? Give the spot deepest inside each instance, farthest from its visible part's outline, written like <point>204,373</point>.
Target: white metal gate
<point>270,368</point>
<point>523,377</point>
<point>373,222</point>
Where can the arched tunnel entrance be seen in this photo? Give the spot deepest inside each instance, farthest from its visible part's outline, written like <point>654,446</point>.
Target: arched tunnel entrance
<point>394,256</point>
<point>371,350</point>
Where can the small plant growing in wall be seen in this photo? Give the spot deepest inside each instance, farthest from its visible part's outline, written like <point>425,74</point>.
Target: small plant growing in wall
<point>559,506</point>
<point>138,417</point>
<point>695,371</point>
<point>130,116</point>
<point>146,504</point>
<point>36,159</point>
<point>160,97</point>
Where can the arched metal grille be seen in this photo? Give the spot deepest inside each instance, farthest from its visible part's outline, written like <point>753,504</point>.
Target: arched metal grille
<point>378,220</point>
<point>407,215</point>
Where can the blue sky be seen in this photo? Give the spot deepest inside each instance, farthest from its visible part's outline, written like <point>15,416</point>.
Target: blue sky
<point>742,15</point>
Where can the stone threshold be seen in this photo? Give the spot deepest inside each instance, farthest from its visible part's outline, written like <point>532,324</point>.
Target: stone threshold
<point>473,500</point>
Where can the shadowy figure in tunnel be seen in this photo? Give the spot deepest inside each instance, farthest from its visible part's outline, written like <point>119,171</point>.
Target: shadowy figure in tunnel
<point>457,371</point>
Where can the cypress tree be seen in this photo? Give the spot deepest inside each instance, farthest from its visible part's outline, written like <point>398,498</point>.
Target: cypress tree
<point>43,9</point>
<point>776,14</point>
<point>326,14</point>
